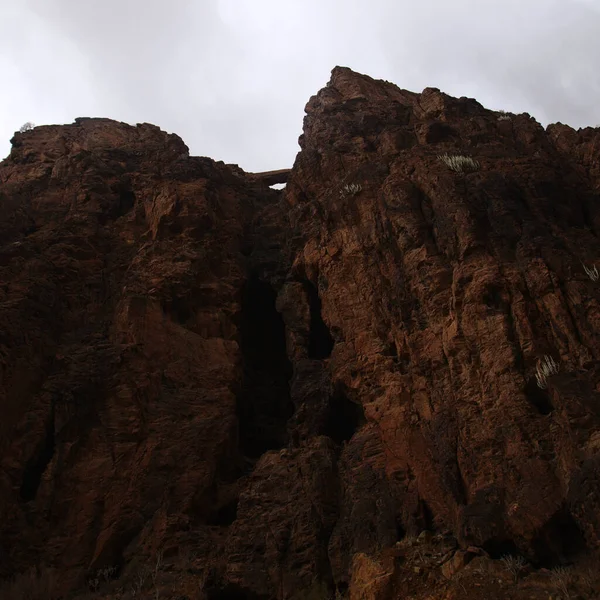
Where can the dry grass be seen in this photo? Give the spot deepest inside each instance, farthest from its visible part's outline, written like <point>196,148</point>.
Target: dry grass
<point>514,565</point>
<point>459,163</point>
<point>562,579</point>
<point>592,273</point>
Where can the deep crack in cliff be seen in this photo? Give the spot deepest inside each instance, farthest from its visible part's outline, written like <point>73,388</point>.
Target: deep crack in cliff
<point>264,405</point>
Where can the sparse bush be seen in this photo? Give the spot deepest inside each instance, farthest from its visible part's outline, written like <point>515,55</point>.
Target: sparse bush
<point>459,163</point>
<point>100,577</point>
<point>154,574</point>
<point>591,273</point>
<point>140,579</point>
<point>350,190</point>
<point>545,367</point>
<point>514,565</point>
<point>504,118</point>
<point>26,127</point>
<point>588,577</point>
<point>563,580</point>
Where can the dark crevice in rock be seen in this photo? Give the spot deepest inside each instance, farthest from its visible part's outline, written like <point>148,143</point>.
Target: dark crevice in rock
<point>264,403</point>
<point>513,336</point>
<point>343,418</point>
<point>125,204</point>
<point>493,298</point>
<point>538,397</point>
<point>400,530</point>
<point>112,554</point>
<point>233,592</point>
<point>246,249</point>
<point>497,548</point>
<point>178,309</point>
<point>320,341</point>
<point>122,203</point>
<point>390,349</point>
<point>224,515</point>
<point>38,463</point>
<point>30,229</point>
<point>426,516</point>
<point>558,541</point>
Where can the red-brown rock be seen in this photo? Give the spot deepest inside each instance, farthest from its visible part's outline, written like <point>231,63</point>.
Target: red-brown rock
<point>444,290</point>
<point>267,389</point>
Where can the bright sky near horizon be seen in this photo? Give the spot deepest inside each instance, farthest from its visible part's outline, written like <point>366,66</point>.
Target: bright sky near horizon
<point>231,77</point>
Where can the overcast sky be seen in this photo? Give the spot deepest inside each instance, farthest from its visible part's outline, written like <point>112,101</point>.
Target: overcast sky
<point>231,77</point>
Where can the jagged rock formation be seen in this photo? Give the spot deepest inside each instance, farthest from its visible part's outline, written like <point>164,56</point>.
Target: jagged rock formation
<point>274,391</point>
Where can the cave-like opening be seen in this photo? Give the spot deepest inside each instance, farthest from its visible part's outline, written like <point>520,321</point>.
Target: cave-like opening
<point>343,418</point>
<point>264,403</point>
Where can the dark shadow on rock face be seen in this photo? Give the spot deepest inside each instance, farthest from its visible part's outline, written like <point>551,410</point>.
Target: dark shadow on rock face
<point>224,515</point>
<point>498,548</point>
<point>538,397</point>
<point>320,343</point>
<point>425,516</point>
<point>264,404</point>
<point>178,309</point>
<point>124,202</point>
<point>343,419</point>
<point>233,592</point>
<point>38,462</point>
<point>558,541</point>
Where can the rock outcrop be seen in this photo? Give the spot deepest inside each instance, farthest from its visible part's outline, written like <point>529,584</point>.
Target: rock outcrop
<point>272,177</point>
<point>216,389</point>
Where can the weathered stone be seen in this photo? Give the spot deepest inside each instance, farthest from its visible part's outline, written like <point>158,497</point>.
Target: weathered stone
<point>284,384</point>
<point>370,578</point>
<point>459,561</point>
<point>425,270</point>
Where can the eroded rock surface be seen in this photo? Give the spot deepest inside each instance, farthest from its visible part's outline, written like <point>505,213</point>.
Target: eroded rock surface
<point>259,393</point>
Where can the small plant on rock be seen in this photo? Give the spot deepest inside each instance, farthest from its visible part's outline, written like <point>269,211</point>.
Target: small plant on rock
<point>563,580</point>
<point>350,190</point>
<point>591,273</point>
<point>545,367</point>
<point>100,577</point>
<point>26,127</point>
<point>459,163</point>
<point>514,565</point>
<point>155,572</point>
<point>139,582</point>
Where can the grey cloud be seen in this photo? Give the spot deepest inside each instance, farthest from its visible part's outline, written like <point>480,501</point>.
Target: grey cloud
<point>541,56</point>
<point>232,76</point>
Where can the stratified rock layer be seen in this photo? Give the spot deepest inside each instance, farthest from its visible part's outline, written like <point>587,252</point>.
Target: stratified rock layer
<point>269,390</point>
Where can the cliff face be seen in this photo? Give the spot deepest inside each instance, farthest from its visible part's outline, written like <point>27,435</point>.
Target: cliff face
<point>271,391</point>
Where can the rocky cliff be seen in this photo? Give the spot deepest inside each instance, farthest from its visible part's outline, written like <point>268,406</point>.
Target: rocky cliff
<point>381,382</point>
